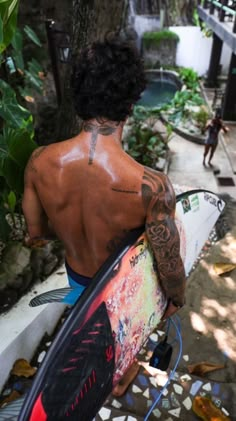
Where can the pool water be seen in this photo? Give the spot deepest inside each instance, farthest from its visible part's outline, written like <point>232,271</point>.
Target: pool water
<point>158,92</point>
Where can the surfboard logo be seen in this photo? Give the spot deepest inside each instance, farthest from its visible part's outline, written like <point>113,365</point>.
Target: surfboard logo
<point>186,204</point>
<point>214,201</point>
<point>137,257</point>
<point>195,204</point>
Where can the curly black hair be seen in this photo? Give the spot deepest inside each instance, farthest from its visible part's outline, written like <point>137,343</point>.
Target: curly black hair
<point>107,80</point>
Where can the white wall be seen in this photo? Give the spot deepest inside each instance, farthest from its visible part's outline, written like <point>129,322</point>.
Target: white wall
<point>225,58</point>
<point>194,50</point>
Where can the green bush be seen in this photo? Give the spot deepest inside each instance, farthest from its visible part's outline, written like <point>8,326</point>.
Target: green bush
<point>16,122</point>
<point>145,144</point>
<point>155,38</point>
<point>189,77</point>
<point>202,116</point>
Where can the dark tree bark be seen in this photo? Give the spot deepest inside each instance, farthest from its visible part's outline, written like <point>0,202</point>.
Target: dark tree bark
<point>178,12</point>
<point>90,20</point>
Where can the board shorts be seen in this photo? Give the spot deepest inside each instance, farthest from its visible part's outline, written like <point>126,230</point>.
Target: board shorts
<point>76,280</point>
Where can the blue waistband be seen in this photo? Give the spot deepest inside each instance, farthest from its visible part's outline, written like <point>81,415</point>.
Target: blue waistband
<point>75,279</point>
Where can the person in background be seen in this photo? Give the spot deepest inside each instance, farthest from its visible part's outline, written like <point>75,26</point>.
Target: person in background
<point>91,193</point>
<point>213,129</point>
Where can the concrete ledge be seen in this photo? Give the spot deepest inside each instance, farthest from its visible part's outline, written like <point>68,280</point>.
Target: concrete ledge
<point>186,135</point>
<point>23,327</point>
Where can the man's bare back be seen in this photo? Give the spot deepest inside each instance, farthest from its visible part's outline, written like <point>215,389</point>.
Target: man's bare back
<point>93,194</point>
<point>91,201</point>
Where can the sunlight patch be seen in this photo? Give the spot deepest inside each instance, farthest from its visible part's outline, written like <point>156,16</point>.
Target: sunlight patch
<point>198,323</point>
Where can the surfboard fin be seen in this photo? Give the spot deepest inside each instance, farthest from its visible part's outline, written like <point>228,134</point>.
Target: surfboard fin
<point>66,295</point>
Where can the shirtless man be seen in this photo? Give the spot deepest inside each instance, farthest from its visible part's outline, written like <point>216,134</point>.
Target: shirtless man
<point>90,192</point>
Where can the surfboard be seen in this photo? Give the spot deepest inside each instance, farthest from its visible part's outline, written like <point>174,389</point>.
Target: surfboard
<point>112,319</point>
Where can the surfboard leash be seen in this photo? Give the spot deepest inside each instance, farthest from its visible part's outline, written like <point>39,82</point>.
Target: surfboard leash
<point>177,326</point>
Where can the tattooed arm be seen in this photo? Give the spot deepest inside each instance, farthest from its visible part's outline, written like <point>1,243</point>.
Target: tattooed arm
<point>159,202</point>
<point>35,216</point>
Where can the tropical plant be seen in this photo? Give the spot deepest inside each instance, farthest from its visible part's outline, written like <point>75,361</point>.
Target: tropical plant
<point>18,81</point>
<point>207,32</point>
<point>189,77</point>
<point>144,143</point>
<point>201,117</point>
<point>8,21</point>
<point>187,104</point>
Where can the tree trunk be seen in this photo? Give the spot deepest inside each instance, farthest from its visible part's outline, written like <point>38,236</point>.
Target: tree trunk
<point>178,12</point>
<point>91,20</point>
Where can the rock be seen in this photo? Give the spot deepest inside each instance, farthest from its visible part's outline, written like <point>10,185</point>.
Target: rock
<point>15,283</point>
<point>3,279</point>
<point>15,258</point>
<point>7,299</point>
<point>50,265</point>
<point>36,262</point>
<point>27,278</point>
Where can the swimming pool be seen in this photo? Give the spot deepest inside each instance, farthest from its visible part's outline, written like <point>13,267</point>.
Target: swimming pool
<point>161,88</point>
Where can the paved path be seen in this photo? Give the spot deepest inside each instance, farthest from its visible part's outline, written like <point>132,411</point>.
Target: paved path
<point>186,164</point>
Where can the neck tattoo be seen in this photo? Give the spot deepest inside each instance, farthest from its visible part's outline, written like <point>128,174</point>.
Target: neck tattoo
<point>95,130</point>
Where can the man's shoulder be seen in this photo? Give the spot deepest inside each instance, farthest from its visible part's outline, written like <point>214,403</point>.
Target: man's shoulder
<point>157,184</point>
<point>158,176</point>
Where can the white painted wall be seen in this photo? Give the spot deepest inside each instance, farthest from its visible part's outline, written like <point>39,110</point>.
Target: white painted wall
<point>23,327</point>
<point>194,50</point>
<point>225,59</point>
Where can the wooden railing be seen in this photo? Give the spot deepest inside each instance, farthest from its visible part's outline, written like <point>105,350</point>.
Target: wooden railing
<point>225,8</point>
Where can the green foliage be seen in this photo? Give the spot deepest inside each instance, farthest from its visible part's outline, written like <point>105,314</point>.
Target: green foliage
<point>181,105</point>
<point>141,113</point>
<point>155,38</point>
<point>17,132</point>
<point>207,32</point>
<point>145,144</point>
<point>202,116</point>
<point>181,98</point>
<point>8,21</point>
<point>24,77</point>
<point>189,77</point>
<point>10,110</point>
<point>32,35</point>
<point>187,106</point>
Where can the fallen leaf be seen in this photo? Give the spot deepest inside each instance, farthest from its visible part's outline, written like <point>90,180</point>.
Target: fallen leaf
<point>21,367</point>
<point>221,268</point>
<point>204,408</point>
<point>29,98</point>
<point>41,75</point>
<point>202,368</point>
<point>12,397</point>
<point>20,71</point>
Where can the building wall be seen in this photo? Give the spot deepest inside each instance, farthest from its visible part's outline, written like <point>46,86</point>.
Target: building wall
<point>194,50</point>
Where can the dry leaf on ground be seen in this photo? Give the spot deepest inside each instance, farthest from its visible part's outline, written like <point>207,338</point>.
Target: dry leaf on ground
<point>204,367</point>
<point>204,408</point>
<point>221,268</point>
<point>21,367</point>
